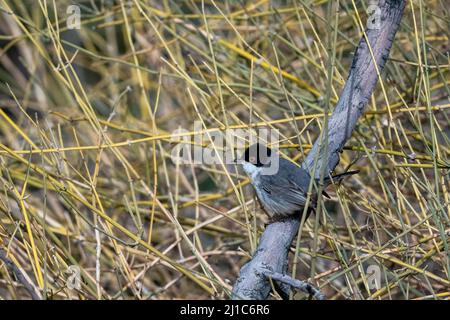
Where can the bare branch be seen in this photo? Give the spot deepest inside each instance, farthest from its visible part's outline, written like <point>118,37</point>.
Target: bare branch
<point>273,247</point>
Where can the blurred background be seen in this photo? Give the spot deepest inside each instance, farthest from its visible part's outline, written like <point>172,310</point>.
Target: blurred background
<point>93,207</point>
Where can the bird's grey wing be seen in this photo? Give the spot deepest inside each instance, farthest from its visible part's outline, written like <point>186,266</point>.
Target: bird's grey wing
<point>290,171</point>
<point>302,178</point>
<point>280,195</point>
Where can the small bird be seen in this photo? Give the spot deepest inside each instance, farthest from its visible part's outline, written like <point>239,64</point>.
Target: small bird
<point>282,193</point>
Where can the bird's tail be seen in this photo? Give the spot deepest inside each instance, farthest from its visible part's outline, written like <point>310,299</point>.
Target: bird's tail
<point>340,176</point>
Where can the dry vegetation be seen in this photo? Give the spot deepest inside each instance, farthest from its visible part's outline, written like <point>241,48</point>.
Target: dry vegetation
<point>86,176</point>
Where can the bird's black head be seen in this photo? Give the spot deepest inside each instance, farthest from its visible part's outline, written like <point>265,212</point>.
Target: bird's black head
<point>258,155</point>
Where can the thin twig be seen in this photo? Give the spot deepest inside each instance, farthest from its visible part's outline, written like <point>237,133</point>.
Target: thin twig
<point>295,283</point>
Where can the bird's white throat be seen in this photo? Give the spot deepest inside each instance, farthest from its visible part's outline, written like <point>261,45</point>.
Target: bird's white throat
<point>251,170</point>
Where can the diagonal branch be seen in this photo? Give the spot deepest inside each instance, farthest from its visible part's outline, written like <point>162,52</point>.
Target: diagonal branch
<point>368,62</point>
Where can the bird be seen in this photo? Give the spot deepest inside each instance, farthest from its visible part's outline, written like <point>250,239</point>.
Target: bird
<point>283,191</point>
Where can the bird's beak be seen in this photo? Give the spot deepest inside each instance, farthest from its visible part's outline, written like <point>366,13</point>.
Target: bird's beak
<point>237,160</point>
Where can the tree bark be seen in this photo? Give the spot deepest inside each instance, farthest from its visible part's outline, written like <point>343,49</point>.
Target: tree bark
<point>273,248</point>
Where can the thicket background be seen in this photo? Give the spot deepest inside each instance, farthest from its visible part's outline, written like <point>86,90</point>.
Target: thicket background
<point>86,117</point>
